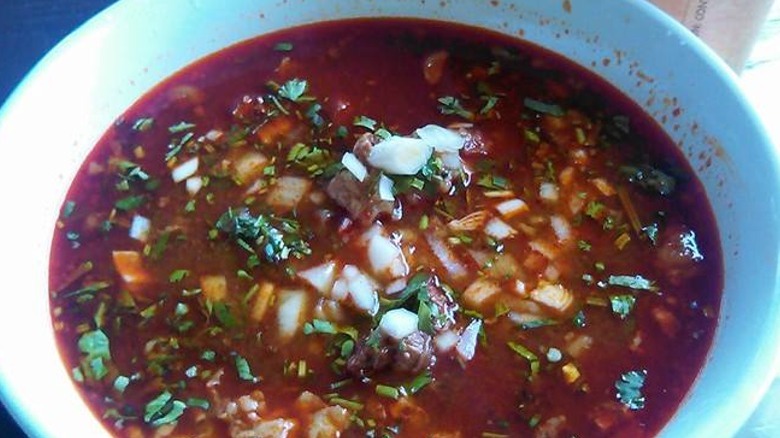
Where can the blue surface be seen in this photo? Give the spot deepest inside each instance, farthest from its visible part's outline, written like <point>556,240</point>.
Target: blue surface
<point>28,30</point>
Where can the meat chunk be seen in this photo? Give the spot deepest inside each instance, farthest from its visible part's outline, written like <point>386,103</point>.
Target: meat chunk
<point>375,353</point>
<point>414,353</point>
<point>370,356</point>
<point>363,146</point>
<point>359,199</point>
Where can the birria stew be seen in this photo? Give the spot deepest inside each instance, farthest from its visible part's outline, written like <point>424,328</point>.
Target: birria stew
<point>381,228</point>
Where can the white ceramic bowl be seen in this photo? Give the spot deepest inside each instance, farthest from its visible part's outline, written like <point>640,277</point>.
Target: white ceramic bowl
<point>53,119</point>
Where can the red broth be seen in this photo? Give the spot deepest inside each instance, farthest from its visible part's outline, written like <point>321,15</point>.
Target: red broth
<point>539,261</point>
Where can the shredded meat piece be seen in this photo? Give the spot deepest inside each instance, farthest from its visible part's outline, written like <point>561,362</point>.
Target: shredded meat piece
<point>359,199</point>
<point>414,353</point>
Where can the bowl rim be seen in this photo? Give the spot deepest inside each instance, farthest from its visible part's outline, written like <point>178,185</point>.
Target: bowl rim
<point>716,66</point>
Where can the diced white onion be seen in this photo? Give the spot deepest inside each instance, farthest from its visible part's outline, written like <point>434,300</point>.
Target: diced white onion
<point>292,304</point>
<point>385,257</point>
<point>511,207</point>
<point>548,192</point>
<point>450,160</point>
<point>441,139</point>
<point>398,323</point>
<point>448,260</point>
<point>445,341</point>
<point>543,248</point>
<point>400,155</point>
<point>478,292</point>
<point>498,229</point>
<point>185,170</point>
<point>320,277</point>
<point>194,184</point>
<point>467,344</point>
<point>385,186</point>
<point>139,228</point>
<point>561,228</point>
<point>361,289</point>
<point>355,167</point>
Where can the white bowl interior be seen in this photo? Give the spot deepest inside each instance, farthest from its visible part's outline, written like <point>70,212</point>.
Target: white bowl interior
<point>62,108</point>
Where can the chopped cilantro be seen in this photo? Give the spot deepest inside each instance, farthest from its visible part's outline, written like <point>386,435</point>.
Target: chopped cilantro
<point>208,355</point>
<point>121,382</point>
<point>584,246</point>
<point>634,282</point>
<point>542,107</point>
<point>593,209</point>
<point>180,127</point>
<point>243,369</point>
<point>276,238</point>
<point>312,159</point>
<point>579,319</point>
<point>629,389</point>
<point>365,122</point>
<point>533,360</point>
<point>319,326</point>
<point>451,105</point>
<point>198,403</point>
<point>95,346</point>
<point>163,409</point>
<point>68,209</point>
<point>493,182</point>
<point>178,275</point>
<point>283,47</point>
<point>293,90</point>
<point>143,124</point>
<point>622,305</point>
<point>130,202</point>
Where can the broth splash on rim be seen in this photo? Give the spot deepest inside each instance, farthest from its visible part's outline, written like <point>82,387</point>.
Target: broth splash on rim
<point>385,228</point>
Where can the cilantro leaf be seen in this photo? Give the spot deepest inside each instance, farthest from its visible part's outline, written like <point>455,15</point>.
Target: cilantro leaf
<point>283,47</point>
<point>276,238</point>
<point>451,105</point>
<point>163,409</point>
<point>130,202</point>
<point>365,122</point>
<point>633,282</point>
<point>293,89</point>
<point>319,326</point>
<point>178,275</point>
<point>243,369</point>
<point>629,389</point>
<point>622,305</point>
<point>542,107</point>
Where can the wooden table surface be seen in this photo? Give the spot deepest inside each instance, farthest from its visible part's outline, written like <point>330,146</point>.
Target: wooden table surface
<point>29,28</point>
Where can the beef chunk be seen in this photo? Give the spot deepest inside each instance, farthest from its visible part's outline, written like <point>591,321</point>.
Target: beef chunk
<point>363,146</point>
<point>414,353</point>
<point>359,199</point>
<point>373,354</point>
<point>370,356</point>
